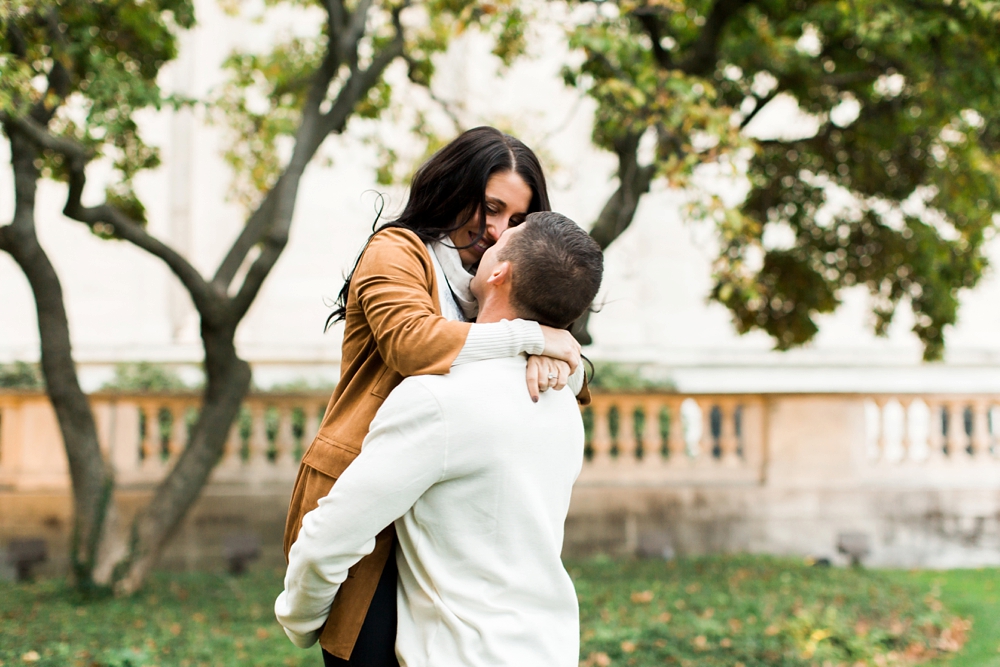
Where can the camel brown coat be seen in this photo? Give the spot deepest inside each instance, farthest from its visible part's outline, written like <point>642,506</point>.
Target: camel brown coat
<point>393,329</point>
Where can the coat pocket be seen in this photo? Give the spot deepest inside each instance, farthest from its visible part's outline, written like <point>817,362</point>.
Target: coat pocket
<point>329,457</point>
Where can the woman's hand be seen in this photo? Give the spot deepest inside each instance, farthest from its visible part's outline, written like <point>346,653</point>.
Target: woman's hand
<point>545,373</point>
<point>560,344</point>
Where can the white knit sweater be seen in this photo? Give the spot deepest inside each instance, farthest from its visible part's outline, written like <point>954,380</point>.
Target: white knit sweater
<point>477,479</point>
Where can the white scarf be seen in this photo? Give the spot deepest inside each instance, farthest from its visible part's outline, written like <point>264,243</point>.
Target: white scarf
<point>459,280</point>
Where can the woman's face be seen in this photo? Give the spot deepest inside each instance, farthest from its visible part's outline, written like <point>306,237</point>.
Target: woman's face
<point>507,200</point>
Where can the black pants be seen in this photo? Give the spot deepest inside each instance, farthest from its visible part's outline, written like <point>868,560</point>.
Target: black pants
<point>376,645</point>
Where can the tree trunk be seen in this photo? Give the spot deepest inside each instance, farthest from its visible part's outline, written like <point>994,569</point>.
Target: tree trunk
<point>92,476</point>
<point>619,211</point>
<point>227,383</point>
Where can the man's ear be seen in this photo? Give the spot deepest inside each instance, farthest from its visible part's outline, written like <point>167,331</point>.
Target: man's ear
<point>500,274</point>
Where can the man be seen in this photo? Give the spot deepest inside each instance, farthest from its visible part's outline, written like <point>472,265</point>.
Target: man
<point>477,478</point>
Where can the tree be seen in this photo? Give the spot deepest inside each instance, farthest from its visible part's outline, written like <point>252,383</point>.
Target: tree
<point>73,73</point>
<point>905,98</point>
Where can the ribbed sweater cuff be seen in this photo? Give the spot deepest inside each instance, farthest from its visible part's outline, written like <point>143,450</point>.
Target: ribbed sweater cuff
<point>497,340</point>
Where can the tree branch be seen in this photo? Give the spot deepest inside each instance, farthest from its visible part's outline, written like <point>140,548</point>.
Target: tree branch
<point>650,22</point>
<point>308,141</point>
<point>761,103</point>
<point>633,182</point>
<point>704,52</point>
<point>41,137</point>
<point>77,157</point>
<point>258,222</point>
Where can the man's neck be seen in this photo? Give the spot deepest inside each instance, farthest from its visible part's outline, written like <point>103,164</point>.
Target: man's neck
<point>494,310</point>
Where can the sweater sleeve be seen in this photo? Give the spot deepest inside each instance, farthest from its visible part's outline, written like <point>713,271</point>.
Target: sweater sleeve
<point>392,283</point>
<point>403,455</point>
<point>577,379</point>
<point>505,338</point>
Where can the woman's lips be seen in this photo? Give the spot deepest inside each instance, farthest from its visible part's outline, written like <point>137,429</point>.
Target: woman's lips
<point>479,247</point>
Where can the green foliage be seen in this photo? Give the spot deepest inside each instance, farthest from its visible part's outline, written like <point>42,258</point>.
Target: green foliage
<point>214,619</point>
<point>757,612</point>
<point>195,619</point>
<point>898,190</point>
<point>20,375</point>
<point>85,68</point>
<point>973,594</point>
<point>610,376</point>
<point>145,376</point>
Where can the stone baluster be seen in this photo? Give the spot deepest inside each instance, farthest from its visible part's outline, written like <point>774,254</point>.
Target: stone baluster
<point>178,431</point>
<point>880,437</point>
<point>957,438</point>
<point>728,440</point>
<point>314,417</point>
<point>626,433</point>
<point>601,440</point>
<point>125,443</point>
<point>151,443</point>
<point>676,444</point>
<point>285,439</point>
<point>906,435</point>
<point>231,454</point>
<point>980,430</point>
<point>935,436</point>
<point>258,434</point>
<point>706,444</point>
<point>652,441</point>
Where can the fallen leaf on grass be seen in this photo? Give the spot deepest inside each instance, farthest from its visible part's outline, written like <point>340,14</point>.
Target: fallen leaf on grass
<point>700,642</point>
<point>628,647</point>
<point>175,629</point>
<point>772,630</point>
<point>262,633</point>
<point>596,660</point>
<point>198,618</point>
<point>31,656</point>
<point>664,617</point>
<point>953,637</point>
<point>642,597</point>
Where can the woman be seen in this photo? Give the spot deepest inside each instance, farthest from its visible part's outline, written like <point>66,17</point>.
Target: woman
<point>406,307</point>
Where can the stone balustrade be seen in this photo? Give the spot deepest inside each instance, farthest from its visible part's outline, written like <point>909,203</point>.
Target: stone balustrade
<point>631,438</point>
<point>919,475</point>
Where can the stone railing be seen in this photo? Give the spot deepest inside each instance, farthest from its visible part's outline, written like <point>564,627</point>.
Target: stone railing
<point>913,479</point>
<point>143,434</point>
<point>632,439</point>
<point>674,438</point>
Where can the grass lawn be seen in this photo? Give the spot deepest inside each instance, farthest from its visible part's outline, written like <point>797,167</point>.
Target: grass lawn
<point>757,611</point>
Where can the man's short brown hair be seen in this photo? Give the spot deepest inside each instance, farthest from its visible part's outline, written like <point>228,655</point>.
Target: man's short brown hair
<point>557,269</point>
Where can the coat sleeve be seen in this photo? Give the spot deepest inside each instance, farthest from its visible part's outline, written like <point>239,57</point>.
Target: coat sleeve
<point>404,454</point>
<point>393,283</point>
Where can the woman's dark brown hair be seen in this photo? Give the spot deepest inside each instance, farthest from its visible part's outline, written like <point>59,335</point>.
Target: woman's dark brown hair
<point>451,187</point>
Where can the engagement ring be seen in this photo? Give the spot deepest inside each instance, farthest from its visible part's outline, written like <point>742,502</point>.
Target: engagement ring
<point>552,377</point>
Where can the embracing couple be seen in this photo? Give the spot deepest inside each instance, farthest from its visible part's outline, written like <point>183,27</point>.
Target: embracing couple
<point>453,479</point>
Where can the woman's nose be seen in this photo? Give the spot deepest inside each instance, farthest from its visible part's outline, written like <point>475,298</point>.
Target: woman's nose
<point>494,228</point>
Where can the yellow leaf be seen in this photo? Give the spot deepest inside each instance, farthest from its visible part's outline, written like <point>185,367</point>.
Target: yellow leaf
<point>31,656</point>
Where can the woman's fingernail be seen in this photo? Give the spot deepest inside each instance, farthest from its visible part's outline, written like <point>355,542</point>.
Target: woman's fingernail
<point>534,399</point>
